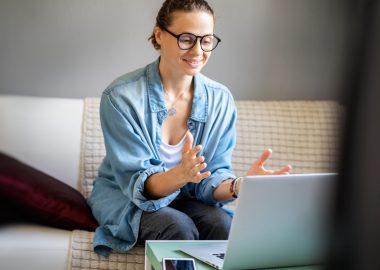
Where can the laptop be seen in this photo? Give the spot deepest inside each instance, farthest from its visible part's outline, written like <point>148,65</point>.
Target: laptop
<point>280,221</point>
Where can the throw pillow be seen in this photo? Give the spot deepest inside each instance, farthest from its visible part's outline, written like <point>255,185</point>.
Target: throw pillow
<point>37,197</point>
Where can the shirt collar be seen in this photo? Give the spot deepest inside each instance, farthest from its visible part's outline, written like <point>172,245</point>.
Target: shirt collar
<point>157,99</point>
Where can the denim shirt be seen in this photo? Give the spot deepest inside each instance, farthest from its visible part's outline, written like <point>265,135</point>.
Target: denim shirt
<point>132,110</point>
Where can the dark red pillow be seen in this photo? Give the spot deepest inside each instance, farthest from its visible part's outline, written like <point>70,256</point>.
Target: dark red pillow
<point>34,196</point>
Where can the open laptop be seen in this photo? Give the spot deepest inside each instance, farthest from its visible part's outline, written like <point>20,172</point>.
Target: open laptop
<point>280,221</point>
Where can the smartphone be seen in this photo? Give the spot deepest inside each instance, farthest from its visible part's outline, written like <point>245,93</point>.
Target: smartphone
<point>178,264</point>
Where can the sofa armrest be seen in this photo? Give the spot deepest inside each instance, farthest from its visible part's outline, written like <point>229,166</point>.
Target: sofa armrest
<point>45,133</point>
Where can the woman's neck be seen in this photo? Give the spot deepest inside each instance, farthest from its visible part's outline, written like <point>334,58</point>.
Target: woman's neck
<point>175,83</point>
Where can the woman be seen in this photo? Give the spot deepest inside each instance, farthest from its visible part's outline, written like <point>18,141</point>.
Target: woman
<point>169,133</point>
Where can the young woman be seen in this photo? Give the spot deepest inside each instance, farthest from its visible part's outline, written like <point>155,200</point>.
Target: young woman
<point>169,133</point>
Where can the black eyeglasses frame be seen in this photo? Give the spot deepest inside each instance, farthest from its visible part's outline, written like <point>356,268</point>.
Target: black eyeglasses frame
<point>195,41</point>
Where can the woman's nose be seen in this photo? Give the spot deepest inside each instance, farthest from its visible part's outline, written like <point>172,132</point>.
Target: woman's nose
<point>197,48</point>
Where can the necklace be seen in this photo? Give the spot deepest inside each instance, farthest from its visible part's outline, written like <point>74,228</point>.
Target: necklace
<point>172,110</point>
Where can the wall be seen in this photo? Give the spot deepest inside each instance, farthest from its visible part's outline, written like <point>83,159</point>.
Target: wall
<point>288,49</point>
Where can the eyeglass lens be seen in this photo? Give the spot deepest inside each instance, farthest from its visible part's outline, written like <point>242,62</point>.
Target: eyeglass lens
<point>187,41</point>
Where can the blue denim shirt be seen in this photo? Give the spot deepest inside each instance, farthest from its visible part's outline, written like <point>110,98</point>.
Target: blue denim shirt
<point>132,110</point>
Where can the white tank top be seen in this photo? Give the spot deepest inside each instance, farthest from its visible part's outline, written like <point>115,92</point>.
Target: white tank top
<point>172,154</point>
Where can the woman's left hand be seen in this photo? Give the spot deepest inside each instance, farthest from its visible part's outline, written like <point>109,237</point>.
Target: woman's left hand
<point>257,167</point>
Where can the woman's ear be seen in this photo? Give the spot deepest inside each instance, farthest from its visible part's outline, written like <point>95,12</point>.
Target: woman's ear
<point>158,34</point>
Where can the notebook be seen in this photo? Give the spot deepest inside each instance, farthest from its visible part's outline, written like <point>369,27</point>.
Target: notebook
<point>280,221</point>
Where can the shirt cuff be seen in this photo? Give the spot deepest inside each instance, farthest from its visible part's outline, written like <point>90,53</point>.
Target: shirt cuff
<point>143,202</point>
<point>206,195</point>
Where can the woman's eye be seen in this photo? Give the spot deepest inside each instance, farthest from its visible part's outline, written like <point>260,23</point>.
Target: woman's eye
<point>186,39</point>
<point>207,40</point>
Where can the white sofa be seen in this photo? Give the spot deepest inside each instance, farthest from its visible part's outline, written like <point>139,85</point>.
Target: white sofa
<point>45,133</point>
<point>62,137</point>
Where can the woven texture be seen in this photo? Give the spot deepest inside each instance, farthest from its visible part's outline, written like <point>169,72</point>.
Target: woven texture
<point>93,149</point>
<point>83,257</point>
<point>301,133</point>
<point>304,134</point>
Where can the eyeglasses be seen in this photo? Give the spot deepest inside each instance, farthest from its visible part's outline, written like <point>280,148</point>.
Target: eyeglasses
<point>186,41</point>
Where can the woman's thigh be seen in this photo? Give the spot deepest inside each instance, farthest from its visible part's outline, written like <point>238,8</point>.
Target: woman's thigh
<point>167,224</point>
<point>212,222</point>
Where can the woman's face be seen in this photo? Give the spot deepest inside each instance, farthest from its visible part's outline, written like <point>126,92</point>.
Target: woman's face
<point>184,62</point>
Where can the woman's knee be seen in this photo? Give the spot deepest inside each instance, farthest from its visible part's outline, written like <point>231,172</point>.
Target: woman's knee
<point>213,222</point>
<point>216,225</point>
<point>181,227</point>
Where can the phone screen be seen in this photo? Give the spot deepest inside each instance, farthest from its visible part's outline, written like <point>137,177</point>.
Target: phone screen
<point>178,264</point>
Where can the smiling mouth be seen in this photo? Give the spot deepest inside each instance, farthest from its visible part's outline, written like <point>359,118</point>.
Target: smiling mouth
<point>193,63</point>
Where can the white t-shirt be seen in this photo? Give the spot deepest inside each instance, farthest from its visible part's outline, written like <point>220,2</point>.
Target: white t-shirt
<point>171,154</point>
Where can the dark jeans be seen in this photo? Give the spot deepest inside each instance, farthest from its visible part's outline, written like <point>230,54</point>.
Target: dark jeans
<point>185,219</point>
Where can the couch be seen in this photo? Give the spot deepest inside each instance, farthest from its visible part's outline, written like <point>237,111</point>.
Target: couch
<point>62,138</point>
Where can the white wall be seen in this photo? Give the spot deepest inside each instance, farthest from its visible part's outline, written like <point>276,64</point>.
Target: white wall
<point>270,49</point>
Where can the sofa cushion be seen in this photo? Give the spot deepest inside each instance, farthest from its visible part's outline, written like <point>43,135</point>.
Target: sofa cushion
<point>34,196</point>
<point>305,134</point>
<point>34,247</point>
<point>83,255</point>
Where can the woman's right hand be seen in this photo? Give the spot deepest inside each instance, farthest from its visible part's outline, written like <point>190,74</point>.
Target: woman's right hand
<point>191,166</point>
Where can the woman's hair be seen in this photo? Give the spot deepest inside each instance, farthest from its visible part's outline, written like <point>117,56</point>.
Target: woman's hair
<point>164,16</point>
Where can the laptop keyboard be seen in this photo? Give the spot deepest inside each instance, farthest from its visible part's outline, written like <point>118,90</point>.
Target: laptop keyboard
<point>219,255</point>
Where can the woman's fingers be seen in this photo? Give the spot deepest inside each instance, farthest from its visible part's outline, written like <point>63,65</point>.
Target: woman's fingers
<point>192,164</point>
<point>257,168</point>
<point>198,160</point>
<point>284,170</point>
<point>188,145</point>
<point>195,173</point>
<point>264,157</point>
<point>201,176</point>
<point>191,159</point>
<point>199,167</point>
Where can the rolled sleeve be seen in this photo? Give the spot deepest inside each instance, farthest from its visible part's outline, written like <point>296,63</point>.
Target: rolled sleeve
<point>143,202</point>
<point>206,194</point>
